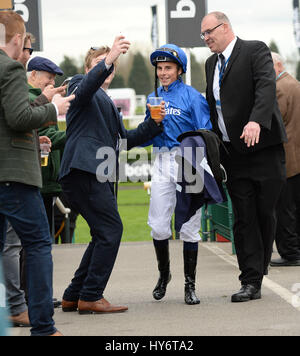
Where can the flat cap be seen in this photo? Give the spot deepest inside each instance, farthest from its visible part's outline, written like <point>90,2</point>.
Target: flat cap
<point>45,65</point>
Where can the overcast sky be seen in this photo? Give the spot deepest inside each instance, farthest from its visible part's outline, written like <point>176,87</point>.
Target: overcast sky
<point>71,27</point>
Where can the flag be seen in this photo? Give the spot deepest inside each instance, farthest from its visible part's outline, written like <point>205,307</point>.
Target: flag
<point>297,22</point>
<point>154,31</point>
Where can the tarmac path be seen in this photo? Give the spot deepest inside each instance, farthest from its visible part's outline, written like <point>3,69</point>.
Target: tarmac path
<point>135,275</point>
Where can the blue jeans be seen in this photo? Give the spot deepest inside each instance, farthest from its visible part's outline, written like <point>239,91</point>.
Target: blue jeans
<point>23,207</point>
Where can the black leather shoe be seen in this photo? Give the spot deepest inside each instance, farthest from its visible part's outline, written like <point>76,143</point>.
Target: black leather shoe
<point>161,287</point>
<point>190,266</point>
<point>163,259</point>
<point>281,262</point>
<point>190,296</point>
<point>246,293</point>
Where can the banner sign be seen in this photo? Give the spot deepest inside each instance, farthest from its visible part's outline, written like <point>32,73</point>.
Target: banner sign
<point>30,10</point>
<point>184,22</point>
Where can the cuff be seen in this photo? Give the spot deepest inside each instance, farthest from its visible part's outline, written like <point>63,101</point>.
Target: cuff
<point>56,108</point>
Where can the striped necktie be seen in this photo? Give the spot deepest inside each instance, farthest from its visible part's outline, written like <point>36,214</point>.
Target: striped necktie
<point>223,67</point>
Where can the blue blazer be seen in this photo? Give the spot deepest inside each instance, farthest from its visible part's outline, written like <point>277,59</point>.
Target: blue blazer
<point>94,122</point>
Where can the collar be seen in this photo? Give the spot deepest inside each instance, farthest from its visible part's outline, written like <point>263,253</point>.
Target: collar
<point>280,75</point>
<point>227,52</point>
<point>3,52</point>
<point>33,89</point>
<point>173,85</point>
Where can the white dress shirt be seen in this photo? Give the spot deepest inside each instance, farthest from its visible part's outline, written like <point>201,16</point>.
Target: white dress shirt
<point>216,89</point>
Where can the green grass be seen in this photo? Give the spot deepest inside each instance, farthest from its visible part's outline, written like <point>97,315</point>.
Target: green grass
<point>133,208</point>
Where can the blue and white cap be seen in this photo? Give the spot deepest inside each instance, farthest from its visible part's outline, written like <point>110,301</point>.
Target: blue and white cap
<point>170,53</point>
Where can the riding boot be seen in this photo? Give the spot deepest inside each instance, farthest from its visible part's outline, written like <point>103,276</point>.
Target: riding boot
<point>163,259</point>
<point>190,265</point>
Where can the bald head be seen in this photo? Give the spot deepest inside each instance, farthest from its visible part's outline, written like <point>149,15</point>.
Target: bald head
<point>217,31</point>
<point>220,16</point>
<point>279,64</point>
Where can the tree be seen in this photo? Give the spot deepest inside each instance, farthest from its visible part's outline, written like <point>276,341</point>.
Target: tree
<point>298,71</point>
<point>139,78</point>
<point>118,82</point>
<point>69,67</point>
<point>198,74</point>
<point>273,47</point>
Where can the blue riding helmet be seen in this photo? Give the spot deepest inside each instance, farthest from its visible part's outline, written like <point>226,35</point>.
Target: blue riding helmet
<point>167,52</point>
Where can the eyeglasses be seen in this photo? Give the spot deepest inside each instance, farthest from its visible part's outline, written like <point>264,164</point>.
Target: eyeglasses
<point>208,32</point>
<point>30,50</point>
<point>99,48</point>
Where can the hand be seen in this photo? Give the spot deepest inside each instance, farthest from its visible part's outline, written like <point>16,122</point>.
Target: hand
<point>121,45</point>
<point>50,91</point>
<point>251,133</point>
<point>45,139</point>
<point>45,144</point>
<point>162,113</point>
<point>62,104</point>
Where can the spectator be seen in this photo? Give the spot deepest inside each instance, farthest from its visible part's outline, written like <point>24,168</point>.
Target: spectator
<point>16,289</point>
<point>41,74</point>
<point>13,248</point>
<point>20,176</point>
<point>27,50</point>
<point>288,208</point>
<point>93,126</point>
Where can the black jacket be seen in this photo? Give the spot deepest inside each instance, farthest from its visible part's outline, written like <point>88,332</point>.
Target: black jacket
<point>248,93</point>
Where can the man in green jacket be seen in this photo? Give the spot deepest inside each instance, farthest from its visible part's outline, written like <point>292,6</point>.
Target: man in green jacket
<point>41,75</point>
<point>20,175</point>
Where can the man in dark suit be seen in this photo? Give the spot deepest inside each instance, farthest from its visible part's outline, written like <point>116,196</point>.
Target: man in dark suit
<point>20,174</point>
<point>94,130</point>
<point>241,92</point>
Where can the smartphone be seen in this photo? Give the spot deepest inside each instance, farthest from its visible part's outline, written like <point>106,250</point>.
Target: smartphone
<point>73,92</point>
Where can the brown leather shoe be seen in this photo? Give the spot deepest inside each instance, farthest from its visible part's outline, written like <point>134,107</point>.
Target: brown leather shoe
<point>56,334</point>
<point>20,320</point>
<point>99,307</point>
<point>68,307</point>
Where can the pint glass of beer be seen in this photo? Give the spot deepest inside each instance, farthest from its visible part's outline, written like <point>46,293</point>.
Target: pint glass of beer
<point>45,149</point>
<point>155,109</point>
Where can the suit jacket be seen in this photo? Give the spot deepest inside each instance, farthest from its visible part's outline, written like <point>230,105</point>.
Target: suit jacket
<point>248,93</point>
<point>19,156</point>
<point>93,122</point>
<point>288,96</point>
